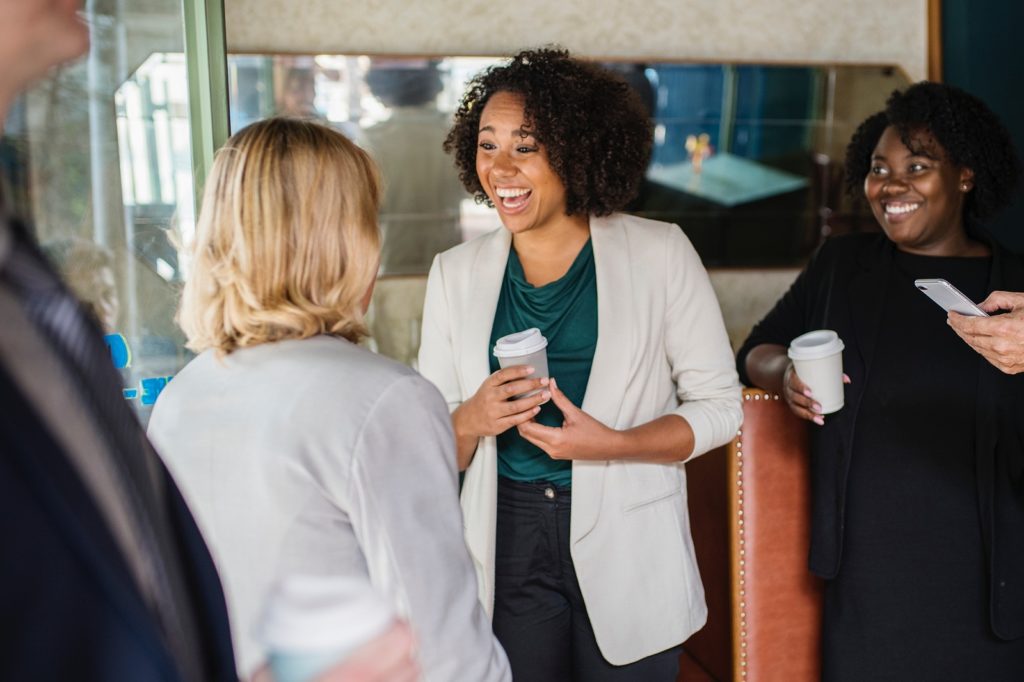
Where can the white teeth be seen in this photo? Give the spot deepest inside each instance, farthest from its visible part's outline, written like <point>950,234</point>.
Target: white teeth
<point>901,209</point>
<point>508,192</point>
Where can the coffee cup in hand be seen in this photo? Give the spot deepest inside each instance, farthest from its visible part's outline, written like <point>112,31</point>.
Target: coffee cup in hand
<point>818,360</point>
<point>527,347</point>
<point>312,623</point>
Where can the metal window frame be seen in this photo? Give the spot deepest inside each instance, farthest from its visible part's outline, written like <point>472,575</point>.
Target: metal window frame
<point>206,59</point>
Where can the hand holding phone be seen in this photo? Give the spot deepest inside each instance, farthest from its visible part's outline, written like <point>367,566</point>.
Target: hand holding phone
<point>949,297</point>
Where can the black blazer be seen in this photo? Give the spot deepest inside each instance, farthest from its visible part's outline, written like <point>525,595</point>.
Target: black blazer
<point>841,289</point>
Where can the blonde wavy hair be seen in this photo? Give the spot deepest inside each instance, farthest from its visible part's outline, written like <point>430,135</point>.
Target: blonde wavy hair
<point>287,240</point>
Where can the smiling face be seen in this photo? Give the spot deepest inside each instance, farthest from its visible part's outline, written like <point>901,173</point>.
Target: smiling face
<point>513,168</point>
<point>917,195</point>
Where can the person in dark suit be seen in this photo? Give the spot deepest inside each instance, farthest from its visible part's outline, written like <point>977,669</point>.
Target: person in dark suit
<point>918,507</point>
<point>104,575</point>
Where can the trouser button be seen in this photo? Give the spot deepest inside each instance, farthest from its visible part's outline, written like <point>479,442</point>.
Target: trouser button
<point>549,493</point>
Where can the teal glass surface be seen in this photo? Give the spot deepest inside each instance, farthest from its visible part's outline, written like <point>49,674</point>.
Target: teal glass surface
<point>301,667</point>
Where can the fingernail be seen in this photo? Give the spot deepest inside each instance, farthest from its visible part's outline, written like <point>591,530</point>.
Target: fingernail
<point>807,392</point>
<point>528,369</point>
<point>545,395</point>
<point>543,381</point>
<point>817,407</point>
<point>819,420</point>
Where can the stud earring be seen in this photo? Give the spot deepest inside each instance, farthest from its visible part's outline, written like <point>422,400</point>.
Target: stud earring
<point>964,187</point>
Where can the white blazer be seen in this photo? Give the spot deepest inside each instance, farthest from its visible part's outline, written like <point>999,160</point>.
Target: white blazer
<point>318,457</point>
<point>661,349</point>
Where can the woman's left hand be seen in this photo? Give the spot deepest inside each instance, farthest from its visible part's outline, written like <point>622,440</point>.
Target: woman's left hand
<point>580,436</point>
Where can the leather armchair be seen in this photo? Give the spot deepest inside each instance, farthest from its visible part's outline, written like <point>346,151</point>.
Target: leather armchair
<point>750,518</point>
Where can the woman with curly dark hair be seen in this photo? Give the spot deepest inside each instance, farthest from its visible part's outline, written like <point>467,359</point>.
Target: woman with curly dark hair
<point>918,503</point>
<point>574,493</point>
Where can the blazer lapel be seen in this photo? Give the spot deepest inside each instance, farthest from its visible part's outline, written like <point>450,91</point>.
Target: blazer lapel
<point>488,272</point>
<point>866,293</point>
<point>609,373</point>
<point>615,323</point>
<point>994,388</point>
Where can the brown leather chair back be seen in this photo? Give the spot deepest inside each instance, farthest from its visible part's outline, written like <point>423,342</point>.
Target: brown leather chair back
<point>708,653</point>
<point>750,518</point>
<point>776,601</point>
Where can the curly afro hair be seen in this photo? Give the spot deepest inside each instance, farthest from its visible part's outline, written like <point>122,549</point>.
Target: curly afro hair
<point>593,125</point>
<point>961,124</point>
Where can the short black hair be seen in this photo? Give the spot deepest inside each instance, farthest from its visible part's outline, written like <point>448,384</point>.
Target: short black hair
<point>967,130</point>
<point>592,124</point>
<point>405,86</point>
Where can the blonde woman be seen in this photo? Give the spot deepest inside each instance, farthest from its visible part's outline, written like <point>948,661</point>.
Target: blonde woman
<point>299,451</point>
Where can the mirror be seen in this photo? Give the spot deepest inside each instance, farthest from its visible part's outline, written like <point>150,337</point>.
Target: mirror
<point>747,158</point>
<point>768,139</point>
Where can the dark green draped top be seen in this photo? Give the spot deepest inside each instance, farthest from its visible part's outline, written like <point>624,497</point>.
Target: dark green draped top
<point>565,311</point>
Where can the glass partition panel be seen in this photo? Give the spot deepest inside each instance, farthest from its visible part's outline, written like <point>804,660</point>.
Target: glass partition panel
<point>99,164</point>
<point>399,109</point>
<point>747,158</point>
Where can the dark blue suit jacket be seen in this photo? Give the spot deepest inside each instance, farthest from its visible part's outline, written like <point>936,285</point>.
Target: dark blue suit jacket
<point>69,609</point>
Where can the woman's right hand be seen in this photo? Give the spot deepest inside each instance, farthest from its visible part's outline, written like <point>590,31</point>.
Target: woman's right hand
<point>490,411</point>
<point>799,397</point>
<point>769,367</point>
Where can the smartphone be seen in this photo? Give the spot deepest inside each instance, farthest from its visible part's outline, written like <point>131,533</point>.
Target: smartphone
<point>949,297</point>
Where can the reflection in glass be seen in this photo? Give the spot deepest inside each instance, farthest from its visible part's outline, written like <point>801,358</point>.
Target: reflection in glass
<point>400,109</point>
<point>767,193</point>
<point>88,270</point>
<point>422,193</point>
<point>99,167</point>
<point>154,149</point>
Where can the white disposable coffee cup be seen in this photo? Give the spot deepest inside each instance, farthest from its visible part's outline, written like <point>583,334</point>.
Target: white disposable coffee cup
<point>312,623</point>
<point>527,347</point>
<point>818,360</point>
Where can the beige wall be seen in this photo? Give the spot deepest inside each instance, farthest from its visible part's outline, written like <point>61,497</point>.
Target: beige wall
<point>805,31</point>
<point>744,294</point>
<point>801,31</point>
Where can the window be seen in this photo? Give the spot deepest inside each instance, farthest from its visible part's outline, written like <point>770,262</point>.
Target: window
<point>98,160</point>
<point>768,190</point>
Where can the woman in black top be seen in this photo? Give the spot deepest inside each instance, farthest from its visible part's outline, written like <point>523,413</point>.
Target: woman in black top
<point>918,487</point>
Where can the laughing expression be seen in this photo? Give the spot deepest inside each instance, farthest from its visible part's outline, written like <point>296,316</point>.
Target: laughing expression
<point>917,195</point>
<point>513,168</point>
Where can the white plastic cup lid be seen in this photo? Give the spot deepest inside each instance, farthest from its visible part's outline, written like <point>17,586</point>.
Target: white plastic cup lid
<point>520,344</point>
<point>308,613</point>
<point>815,345</point>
